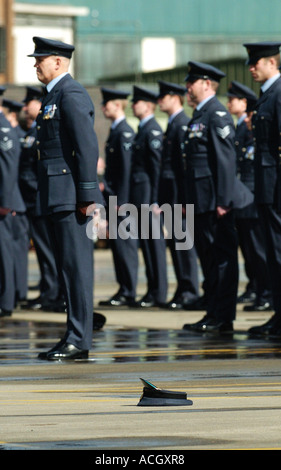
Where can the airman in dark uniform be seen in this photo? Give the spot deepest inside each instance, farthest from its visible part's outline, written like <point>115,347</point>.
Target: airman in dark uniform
<point>11,202</point>
<point>250,234</point>
<point>171,191</point>
<point>67,185</point>
<point>116,182</point>
<point>28,182</point>
<point>145,175</point>
<point>213,188</point>
<point>264,63</point>
<point>12,110</point>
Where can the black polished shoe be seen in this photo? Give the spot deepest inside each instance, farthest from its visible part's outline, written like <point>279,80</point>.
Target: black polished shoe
<point>117,300</point>
<point>99,321</point>
<point>5,313</point>
<point>258,307</point>
<point>219,326</point>
<point>271,327</point>
<point>198,326</point>
<point>147,301</point>
<point>39,303</point>
<point>179,302</point>
<point>246,297</point>
<point>64,352</point>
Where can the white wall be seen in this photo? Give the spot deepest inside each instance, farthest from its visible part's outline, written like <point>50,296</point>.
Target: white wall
<point>24,71</point>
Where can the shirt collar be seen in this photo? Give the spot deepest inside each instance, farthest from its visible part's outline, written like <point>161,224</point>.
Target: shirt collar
<point>241,119</point>
<point>200,105</point>
<point>174,115</point>
<point>145,120</point>
<point>117,121</point>
<point>53,82</point>
<point>269,82</point>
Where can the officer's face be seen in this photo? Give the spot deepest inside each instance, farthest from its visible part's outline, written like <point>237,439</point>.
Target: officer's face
<point>263,69</point>
<point>140,108</point>
<point>46,68</point>
<point>165,103</point>
<point>196,90</point>
<point>109,109</point>
<point>236,106</point>
<point>31,109</point>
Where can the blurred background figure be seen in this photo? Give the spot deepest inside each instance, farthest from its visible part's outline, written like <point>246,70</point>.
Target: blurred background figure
<point>172,189</point>
<point>250,234</point>
<point>116,182</point>
<point>12,110</point>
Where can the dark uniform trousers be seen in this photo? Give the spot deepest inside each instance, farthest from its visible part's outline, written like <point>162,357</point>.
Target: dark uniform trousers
<point>21,240</point>
<point>67,174</point>
<point>248,224</point>
<point>146,164</point>
<point>267,133</point>
<point>171,191</point>
<point>210,182</point>
<point>118,151</point>
<point>28,182</point>
<point>74,257</point>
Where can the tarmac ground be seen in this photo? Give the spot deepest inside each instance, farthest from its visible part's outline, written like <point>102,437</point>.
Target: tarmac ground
<point>232,382</point>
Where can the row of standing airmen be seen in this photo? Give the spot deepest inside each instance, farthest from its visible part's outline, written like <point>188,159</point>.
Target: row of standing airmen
<point>161,172</point>
<point>194,162</point>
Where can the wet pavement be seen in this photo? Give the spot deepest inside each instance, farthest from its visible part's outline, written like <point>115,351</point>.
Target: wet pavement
<point>233,381</point>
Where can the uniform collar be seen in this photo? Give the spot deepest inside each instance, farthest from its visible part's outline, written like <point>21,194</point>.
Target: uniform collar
<point>116,122</point>
<point>269,82</point>
<point>52,83</point>
<point>200,105</point>
<point>145,120</point>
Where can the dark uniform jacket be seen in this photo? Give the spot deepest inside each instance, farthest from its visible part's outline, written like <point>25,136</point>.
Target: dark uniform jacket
<point>146,164</point>
<point>28,170</point>
<point>67,148</point>
<point>10,196</point>
<point>211,161</point>
<point>266,124</point>
<point>244,145</point>
<point>172,174</point>
<point>118,152</point>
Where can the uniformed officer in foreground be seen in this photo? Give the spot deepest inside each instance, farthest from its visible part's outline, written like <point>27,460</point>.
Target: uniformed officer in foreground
<point>213,188</point>
<point>116,183</point>
<point>145,175</point>
<point>250,234</point>
<point>28,182</point>
<point>67,186</point>
<point>264,62</point>
<point>10,202</point>
<point>171,191</point>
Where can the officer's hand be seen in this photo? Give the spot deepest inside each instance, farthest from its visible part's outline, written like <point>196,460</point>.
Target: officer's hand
<point>222,211</point>
<point>81,209</point>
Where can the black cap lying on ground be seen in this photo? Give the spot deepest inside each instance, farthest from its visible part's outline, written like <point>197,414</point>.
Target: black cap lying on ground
<point>153,396</point>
